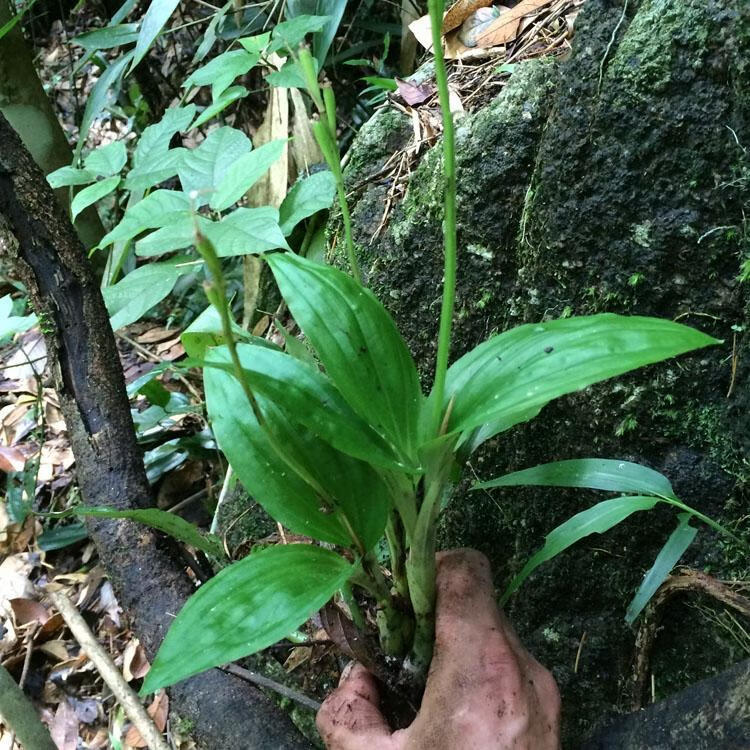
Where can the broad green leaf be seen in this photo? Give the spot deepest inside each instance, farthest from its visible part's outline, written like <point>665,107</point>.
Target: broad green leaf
<point>602,517</point>
<point>674,548</point>
<point>307,196</point>
<point>256,44</point>
<point>152,171</point>
<point>158,209</point>
<point>593,473</point>
<point>289,76</point>
<point>154,141</point>
<point>244,172</point>
<point>268,477</point>
<point>156,16</point>
<point>232,94</point>
<point>11,324</point>
<point>248,606</point>
<point>175,236</point>
<point>169,523</point>
<point>222,70</point>
<point>510,375</point>
<point>69,176</point>
<point>139,291</point>
<point>246,230</point>
<point>289,34</point>
<point>108,37</point>
<point>100,96</point>
<point>203,169</point>
<point>322,39</point>
<point>315,403</point>
<point>358,344</point>
<point>92,194</point>
<point>108,160</point>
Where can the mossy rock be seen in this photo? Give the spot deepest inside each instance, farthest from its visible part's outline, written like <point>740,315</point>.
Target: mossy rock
<point>617,180</point>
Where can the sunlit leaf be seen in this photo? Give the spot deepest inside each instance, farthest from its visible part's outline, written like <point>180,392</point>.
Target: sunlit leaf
<point>244,173</point>
<point>679,540</point>
<point>248,606</point>
<point>108,160</point>
<point>204,168</point>
<point>152,171</point>
<point>246,230</point>
<point>358,344</point>
<point>154,141</point>
<point>596,520</point>
<point>289,34</point>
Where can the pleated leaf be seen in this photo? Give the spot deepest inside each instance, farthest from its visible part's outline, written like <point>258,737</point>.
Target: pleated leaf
<point>248,606</point>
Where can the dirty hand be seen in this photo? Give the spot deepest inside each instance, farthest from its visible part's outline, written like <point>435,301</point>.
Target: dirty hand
<point>484,690</point>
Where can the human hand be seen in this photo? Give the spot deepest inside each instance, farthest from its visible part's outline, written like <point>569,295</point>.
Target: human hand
<point>484,690</point>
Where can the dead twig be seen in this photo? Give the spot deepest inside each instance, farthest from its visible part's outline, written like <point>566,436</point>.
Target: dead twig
<point>124,694</point>
<point>686,580</point>
<point>267,682</point>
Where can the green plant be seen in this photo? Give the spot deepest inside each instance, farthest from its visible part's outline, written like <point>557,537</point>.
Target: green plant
<point>344,447</point>
<point>350,450</point>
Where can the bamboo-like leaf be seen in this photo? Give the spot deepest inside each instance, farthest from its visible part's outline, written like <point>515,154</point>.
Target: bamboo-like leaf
<point>596,520</point>
<point>593,473</point>
<point>358,344</point>
<point>156,16</point>
<point>246,607</point>
<point>679,540</point>
<point>517,372</point>
<point>169,523</point>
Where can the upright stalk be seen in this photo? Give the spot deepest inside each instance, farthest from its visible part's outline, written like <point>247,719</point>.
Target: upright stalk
<point>435,8</point>
<point>420,567</point>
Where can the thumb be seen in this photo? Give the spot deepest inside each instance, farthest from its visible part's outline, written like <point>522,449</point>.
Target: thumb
<point>350,718</point>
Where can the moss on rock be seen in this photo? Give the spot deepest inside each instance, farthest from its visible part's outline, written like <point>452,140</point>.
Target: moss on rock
<point>612,181</point>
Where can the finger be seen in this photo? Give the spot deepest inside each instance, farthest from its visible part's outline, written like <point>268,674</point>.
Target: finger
<point>350,718</point>
<point>465,607</point>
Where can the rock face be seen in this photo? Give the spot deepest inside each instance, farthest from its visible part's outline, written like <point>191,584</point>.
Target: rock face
<point>618,180</point>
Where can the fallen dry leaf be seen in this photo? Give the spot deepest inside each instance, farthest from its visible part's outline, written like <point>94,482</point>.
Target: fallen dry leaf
<point>505,27</point>
<point>414,94</point>
<point>64,727</point>
<point>158,711</point>
<point>134,661</point>
<point>29,610</point>
<point>14,580</point>
<point>11,458</point>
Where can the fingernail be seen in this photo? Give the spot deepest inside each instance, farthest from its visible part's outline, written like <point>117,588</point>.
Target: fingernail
<point>347,671</point>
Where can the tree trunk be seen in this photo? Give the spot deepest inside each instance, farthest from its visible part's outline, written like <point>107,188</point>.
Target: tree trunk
<point>151,585</point>
<point>618,180</point>
<point>25,105</point>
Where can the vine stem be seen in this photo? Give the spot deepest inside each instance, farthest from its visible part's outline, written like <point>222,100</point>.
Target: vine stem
<point>435,8</point>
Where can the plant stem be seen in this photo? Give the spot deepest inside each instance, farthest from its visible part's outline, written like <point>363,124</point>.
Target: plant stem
<point>435,8</point>
<point>20,716</point>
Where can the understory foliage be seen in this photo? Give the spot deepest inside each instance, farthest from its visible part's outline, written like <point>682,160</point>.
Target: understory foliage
<point>338,441</point>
